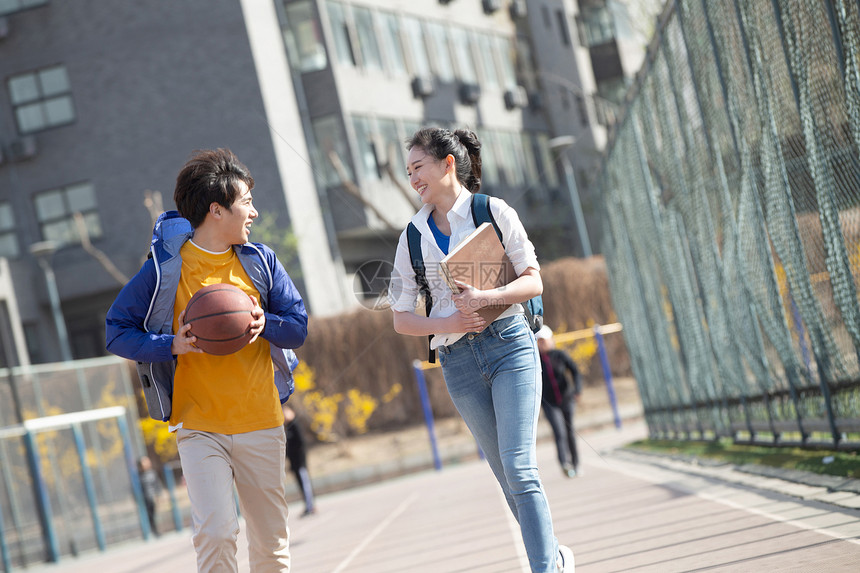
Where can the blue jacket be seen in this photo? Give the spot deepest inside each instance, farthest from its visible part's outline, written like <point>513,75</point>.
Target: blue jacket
<point>139,324</point>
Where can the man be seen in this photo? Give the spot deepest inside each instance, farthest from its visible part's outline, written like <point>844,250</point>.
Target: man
<point>561,390</point>
<point>225,410</point>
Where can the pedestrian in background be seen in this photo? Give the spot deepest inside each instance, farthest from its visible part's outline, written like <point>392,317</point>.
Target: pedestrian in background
<point>297,455</point>
<point>151,487</point>
<point>490,370</point>
<point>561,389</point>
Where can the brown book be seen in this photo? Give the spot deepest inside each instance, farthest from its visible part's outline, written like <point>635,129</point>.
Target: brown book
<point>480,260</point>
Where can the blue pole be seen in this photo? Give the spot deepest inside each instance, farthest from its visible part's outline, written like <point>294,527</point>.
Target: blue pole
<point>607,374</point>
<point>134,476</point>
<point>171,491</point>
<point>801,336</point>
<point>4,549</point>
<point>88,485</point>
<point>428,412</point>
<point>43,499</point>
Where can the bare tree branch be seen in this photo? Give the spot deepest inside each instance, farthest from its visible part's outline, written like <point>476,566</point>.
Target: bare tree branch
<point>353,190</point>
<point>97,254</point>
<point>152,202</point>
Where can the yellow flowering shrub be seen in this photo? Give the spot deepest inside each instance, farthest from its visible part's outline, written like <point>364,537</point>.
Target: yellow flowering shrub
<point>323,412</point>
<point>359,408</point>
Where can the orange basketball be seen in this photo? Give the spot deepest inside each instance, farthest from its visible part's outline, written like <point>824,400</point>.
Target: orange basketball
<point>220,317</point>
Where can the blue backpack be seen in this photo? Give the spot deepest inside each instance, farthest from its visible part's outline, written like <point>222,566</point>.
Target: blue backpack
<point>480,214</point>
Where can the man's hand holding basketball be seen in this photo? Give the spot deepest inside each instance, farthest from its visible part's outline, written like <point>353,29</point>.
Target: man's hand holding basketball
<point>259,322</point>
<point>183,340</point>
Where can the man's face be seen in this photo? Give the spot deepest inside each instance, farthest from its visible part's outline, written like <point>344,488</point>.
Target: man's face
<point>237,221</point>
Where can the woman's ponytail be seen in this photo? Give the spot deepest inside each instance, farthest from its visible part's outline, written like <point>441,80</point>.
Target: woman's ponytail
<point>473,148</point>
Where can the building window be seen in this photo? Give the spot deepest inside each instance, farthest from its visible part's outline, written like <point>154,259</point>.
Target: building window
<point>582,109</point>
<point>596,27</point>
<point>417,46</point>
<point>562,27</point>
<point>506,52</point>
<point>391,43</point>
<point>546,162</point>
<point>489,159</point>
<point>409,128</point>
<point>463,56</point>
<point>330,139</point>
<point>368,163</point>
<point>55,210</point>
<point>393,153</point>
<point>547,21</point>
<point>511,158</point>
<point>340,31</point>
<point>12,6</point>
<point>526,69</point>
<point>41,99</point>
<point>532,173</point>
<point>367,45</point>
<point>378,144</point>
<point>303,38</point>
<point>443,64</point>
<point>8,239</point>
<point>486,60</point>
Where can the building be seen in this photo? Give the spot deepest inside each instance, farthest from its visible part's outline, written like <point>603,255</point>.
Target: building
<point>100,108</point>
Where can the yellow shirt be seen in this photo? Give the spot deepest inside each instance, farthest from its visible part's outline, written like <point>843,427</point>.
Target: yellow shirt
<point>229,394</point>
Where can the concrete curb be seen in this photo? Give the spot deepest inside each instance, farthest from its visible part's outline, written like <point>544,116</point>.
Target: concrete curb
<point>842,492</point>
<point>832,483</point>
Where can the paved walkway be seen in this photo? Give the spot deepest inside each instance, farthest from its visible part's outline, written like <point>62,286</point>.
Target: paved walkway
<point>626,513</point>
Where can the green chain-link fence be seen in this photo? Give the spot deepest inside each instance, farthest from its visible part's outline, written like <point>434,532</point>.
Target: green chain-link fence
<point>732,206</point>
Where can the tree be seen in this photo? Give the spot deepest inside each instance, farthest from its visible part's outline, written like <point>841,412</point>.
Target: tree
<point>282,240</point>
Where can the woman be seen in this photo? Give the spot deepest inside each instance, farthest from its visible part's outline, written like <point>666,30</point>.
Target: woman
<point>491,370</point>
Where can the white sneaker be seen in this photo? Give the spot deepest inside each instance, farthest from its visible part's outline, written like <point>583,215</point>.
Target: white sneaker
<point>565,561</point>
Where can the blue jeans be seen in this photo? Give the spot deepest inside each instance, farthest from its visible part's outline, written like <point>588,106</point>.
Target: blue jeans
<point>495,383</point>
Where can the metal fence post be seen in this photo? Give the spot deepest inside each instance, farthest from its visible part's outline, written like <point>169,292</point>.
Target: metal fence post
<point>170,482</point>
<point>428,412</point>
<point>88,485</point>
<point>43,500</point>
<point>133,476</point>
<point>607,374</point>
<point>4,549</point>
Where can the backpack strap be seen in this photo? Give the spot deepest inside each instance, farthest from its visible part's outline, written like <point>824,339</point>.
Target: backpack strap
<point>481,213</point>
<point>413,237</point>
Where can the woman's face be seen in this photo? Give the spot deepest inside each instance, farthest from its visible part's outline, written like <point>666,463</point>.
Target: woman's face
<point>426,174</point>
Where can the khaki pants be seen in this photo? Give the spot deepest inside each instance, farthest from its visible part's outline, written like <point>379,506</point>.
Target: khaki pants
<point>255,460</point>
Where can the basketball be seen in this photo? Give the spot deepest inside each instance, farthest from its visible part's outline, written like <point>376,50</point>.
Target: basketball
<point>220,316</point>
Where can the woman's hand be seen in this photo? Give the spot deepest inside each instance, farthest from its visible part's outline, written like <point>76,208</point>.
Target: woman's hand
<point>467,322</point>
<point>469,299</point>
<point>183,340</point>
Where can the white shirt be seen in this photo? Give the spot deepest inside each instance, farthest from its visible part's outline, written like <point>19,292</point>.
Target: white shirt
<point>403,290</point>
